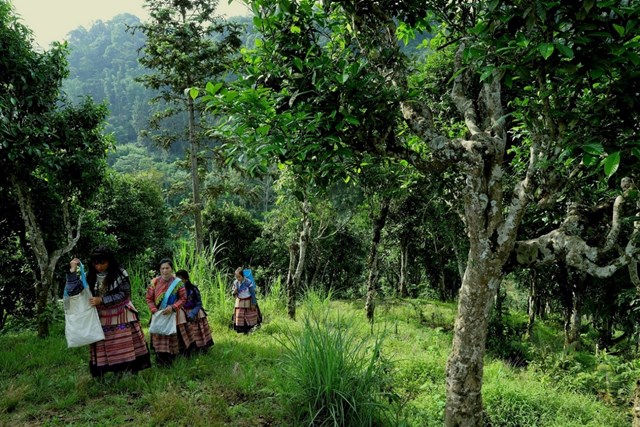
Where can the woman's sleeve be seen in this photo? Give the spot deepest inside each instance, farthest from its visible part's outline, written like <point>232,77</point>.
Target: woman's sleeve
<point>122,291</point>
<point>73,286</point>
<point>182,297</point>
<point>197,299</point>
<point>150,297</point>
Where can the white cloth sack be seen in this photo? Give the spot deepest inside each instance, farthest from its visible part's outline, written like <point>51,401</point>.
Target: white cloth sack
<point>81,321</point>
<point>163,324</point>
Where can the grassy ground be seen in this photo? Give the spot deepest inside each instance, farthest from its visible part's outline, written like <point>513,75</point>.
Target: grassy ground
<point>242,380</point>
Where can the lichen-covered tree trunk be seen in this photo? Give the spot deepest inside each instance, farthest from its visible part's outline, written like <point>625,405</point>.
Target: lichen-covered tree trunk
<point>378,225</point>
<point>465,363</point>
<point>636,405</point>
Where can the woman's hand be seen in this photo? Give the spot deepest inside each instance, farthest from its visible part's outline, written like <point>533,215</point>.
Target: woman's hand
<point>95,301</point>
<point>168,310</point>
<point>73,265</point>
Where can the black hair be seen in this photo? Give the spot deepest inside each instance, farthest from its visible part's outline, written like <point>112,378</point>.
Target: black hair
<point>99,255</point>
<point>165,261</point>
<point>240,270</point>
<point>185,275</point>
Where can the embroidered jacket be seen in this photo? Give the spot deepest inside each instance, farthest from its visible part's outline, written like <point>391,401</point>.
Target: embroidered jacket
<point>155,294</point>
<point>194,302</point>
<point>246,289</point>
<point>117,293</point>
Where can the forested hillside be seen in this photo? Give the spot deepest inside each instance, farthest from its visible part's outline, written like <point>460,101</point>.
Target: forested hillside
<point>457,181</point>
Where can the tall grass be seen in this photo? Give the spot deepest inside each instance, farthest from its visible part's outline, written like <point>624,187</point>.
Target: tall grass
<point>139,277</point>
<point>332,377</point>
<point>213,282</point>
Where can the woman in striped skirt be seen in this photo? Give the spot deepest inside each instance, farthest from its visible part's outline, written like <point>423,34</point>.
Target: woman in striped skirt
<point>123,347</point>
<point>246,313</point>
<point>197,322</point>
<point>167,347</point>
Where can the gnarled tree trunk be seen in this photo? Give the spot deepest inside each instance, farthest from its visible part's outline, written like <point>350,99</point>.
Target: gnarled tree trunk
<point>46,260</point>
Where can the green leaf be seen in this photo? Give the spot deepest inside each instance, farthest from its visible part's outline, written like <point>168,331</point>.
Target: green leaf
<point>263,130</point>
<point>588,4</point>
<point>630,26</point>
<point>620,29</point>
<point>588,160</point>
<point>473,52</point>
<point>486,74</point>
<point>546,50</point>
<point>294,29</point>
<point>297,62</point>
<point>596,73</point>
<point>194,92</point>
<point>594,149</point>
<point>352,120</point>
<point>213,89</point>
<point>565,50</point>
<point>611,164</point>
<point>230,96</point>
<point>636,152</point>
<point>480,28</point>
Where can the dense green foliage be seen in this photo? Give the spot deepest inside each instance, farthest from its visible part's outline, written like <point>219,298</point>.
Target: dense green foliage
<point>52,154</point>
<point>103,64</point>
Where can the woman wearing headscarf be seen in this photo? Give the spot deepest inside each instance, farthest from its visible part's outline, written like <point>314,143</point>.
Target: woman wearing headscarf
<point>246,313</point>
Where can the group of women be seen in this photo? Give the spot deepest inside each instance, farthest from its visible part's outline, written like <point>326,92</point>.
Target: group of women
<point>124,347</point>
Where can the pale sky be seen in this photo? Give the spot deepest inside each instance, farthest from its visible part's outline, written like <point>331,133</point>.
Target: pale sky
<point>52,19</point>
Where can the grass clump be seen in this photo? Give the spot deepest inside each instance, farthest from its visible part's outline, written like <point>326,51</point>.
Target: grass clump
<point>332,377</point>
<point>512,399</point>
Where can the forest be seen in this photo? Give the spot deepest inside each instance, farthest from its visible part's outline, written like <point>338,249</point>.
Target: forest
<point>437,200</point>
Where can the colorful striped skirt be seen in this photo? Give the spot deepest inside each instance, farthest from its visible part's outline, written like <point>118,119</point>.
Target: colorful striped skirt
<point>245,315</point>
<point>200,331</point>
<point>168,346</point>
<point>123,348</point>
